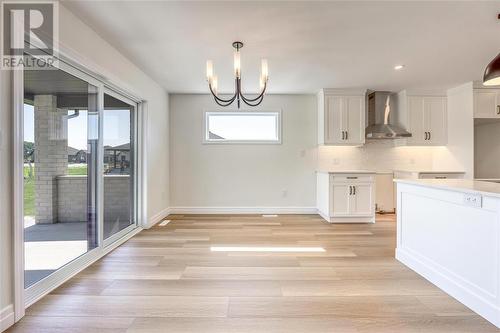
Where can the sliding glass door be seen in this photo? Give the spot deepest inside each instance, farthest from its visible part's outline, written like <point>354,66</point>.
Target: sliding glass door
<point>118,163</point>
<point>60,154</point>
<point>79,169</point>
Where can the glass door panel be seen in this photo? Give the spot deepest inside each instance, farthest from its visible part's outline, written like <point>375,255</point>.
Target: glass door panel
<point>119,164</point>
<point>60,170</point>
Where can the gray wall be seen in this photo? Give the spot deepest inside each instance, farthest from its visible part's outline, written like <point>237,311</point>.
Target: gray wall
<point>236,175</point>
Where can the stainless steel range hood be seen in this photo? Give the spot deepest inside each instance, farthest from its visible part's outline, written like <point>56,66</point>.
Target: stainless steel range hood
<point>379,109</point>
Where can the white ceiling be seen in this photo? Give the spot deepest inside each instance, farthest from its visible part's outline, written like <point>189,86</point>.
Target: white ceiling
<point>309,45</point>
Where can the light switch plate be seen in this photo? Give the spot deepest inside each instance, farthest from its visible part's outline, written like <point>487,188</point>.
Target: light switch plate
<point>473,200</point>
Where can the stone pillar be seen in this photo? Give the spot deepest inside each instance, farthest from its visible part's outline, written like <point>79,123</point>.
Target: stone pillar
<point>51,155</point>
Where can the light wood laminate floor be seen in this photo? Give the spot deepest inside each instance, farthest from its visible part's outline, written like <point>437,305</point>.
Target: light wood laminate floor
<point>166,279</point>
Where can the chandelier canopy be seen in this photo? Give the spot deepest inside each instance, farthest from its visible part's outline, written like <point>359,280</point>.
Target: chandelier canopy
<point>238,95</point>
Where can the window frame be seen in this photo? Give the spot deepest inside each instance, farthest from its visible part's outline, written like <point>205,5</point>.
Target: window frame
<point>279,127</point>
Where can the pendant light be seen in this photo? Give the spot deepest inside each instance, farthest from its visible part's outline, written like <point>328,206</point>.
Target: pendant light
<point>492,72</point>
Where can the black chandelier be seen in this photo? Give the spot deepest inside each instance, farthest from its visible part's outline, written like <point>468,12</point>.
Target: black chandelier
<point>238,95</point>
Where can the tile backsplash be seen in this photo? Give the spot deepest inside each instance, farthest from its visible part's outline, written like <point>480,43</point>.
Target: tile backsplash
<point>386,155</point>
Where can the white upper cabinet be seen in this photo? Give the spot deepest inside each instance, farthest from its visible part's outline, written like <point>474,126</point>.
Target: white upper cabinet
<point>427,120</point>
<point>486,103</point>
<point>341,117</point>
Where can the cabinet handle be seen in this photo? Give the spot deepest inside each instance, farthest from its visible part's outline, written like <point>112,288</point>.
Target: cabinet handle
<point>429,136</point>
<point>498,109</point>
<point>346,135</point>
<point>354,190</point>
<point>350,190</point>
<point>425,136</point>
<point>342,135</point>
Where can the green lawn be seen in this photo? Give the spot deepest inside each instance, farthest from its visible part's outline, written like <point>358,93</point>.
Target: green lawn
<point>29,193</point>
<point>29,187</point>
<point>77,170</point>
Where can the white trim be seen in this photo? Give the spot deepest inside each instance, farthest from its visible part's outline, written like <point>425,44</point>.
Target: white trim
<point>243,210</point>
<point>45,286</point>
<point>447,283</point>
<point>279,126</point>
<point>7,317</point>
<point>18,189</point>
<point>142,165</point>
<point>158,217</point>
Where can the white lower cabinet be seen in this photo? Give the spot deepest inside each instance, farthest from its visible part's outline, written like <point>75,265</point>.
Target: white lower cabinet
<point>346,198</point>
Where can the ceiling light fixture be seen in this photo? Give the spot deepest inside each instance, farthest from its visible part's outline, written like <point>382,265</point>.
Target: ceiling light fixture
<point>399,67</point>
<point>491,75</point>
<point>238,95</point>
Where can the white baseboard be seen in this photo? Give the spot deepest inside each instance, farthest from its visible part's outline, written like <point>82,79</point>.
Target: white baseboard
<point>158,217</point>
<point>243,210</point>
<point>6,317</point>
<point>451,285</point>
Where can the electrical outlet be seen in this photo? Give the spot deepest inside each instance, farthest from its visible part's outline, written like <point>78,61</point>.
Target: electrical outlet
<point>284,193</point>
<point>473,200</point>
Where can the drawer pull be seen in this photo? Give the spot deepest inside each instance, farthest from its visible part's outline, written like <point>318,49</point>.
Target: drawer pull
<point>352,177</point>
<point>440,177</point>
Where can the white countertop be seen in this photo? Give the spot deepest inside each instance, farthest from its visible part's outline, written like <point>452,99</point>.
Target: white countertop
<point>346,171</point>
<point>430,171</point>
<point>460,185</point>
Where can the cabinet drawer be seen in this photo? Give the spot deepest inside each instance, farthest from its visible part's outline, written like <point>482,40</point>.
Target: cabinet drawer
<point>352,178</point>
<point>441,176</point>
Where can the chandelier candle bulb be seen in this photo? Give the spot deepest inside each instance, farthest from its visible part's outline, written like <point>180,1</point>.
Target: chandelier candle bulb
<point>214,84</point>
<point>237,63</point>
<point>264,69</point>
<point>210,70</point>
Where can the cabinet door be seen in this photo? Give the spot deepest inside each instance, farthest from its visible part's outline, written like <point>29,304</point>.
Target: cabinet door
<point>362,201</point>
<point>334,119</point>
<point>341,197</point>
<point>486,103</point>
<point>416,124</point>
<point>435,120</point>
<point>354,124</point>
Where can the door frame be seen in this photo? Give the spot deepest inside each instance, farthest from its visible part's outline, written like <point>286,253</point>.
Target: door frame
<point>23,298</point>
<point>110,240</point>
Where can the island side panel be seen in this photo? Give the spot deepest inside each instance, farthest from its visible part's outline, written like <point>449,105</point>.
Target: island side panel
<point>454,245</point>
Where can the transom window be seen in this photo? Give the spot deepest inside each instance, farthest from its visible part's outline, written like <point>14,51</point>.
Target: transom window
<point>242,127</point>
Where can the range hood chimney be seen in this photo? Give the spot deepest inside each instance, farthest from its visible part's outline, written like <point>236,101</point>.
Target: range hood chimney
<point>379,109</point>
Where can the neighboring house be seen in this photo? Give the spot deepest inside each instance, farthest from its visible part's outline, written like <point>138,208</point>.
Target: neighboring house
<point>117,156</point>
<point>77,155</point>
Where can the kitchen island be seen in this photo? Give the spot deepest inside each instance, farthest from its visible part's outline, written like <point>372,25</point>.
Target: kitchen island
<point>448,231</point>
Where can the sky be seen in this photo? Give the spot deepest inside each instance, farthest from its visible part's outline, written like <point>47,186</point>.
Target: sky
<point>244,127</point>
<point>116,128</point>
